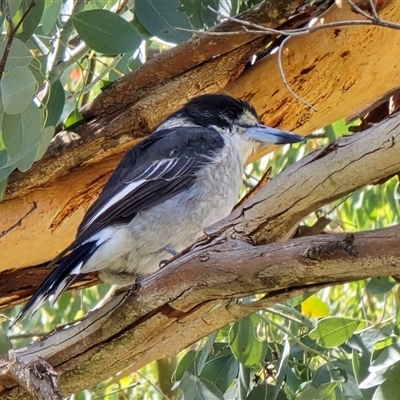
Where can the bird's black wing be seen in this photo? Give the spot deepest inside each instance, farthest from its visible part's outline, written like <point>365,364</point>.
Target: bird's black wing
<point>156,169</point>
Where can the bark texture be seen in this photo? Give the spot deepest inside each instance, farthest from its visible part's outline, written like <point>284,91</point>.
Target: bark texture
<point>192,296</point>
<point>340,70</point>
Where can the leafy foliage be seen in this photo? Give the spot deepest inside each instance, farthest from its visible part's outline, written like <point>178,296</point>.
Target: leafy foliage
<point>320,346</point>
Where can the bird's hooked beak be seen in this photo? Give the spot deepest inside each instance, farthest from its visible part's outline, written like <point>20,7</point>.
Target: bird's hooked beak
<point>270,136</point>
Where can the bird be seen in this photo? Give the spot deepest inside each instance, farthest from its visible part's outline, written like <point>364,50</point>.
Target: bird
<point>182,178</point>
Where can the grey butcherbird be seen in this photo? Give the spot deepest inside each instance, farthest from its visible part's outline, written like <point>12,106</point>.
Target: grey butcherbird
<point>165,191</point>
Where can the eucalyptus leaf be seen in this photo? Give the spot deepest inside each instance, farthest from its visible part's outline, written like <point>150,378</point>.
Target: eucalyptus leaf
<point>265,392</point>
<point>324,392</point>
<point>44,142</point>
<point>221,371</point>
<point>17,90</point>
<point>34,10</point>
<point>380,285</point>
<point>198,13</point>
<point>106,32</point>
<point>21,136</point>
<point>161,17</point>
<point>6,171</point>
<point>195,387</point>
<point>73,119</point>
<point>54,103</point>
<point>3,185</point>
<point>186,363</point>
<point>283,365</point>
<point>19,55</point>
<point>388,357</point>
<point>5,343</point>
<point>333,331</point>
<point>246,346</point>
<point>50,15</point>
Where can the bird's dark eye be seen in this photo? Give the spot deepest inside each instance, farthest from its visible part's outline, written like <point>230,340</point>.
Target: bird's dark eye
<point>231,113</point>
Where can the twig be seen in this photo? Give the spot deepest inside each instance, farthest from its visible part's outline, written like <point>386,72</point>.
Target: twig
<point>360,10</point>
<point>58,63</point>
<point>373,9</point>
<point>284,79</point>
<point>373,19</point>
<point>19,222</point>
<point>12,33</point>
<point>89,77</point>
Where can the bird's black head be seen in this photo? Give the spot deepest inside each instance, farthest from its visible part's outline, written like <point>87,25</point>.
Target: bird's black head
<point>234,118</point>
<point>219,110</point>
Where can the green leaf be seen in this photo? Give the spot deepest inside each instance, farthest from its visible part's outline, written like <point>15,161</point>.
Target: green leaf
<point>283,365</point>
<point>206,351</point>
<point>6,172</point>
<point>73,119</point>
<point>5,343</point>
<point>19,55</point>
<point>197,388</point>
<point>106,32</point>
<point>14,6</point>
<point>161,17</point>
<point>3,186</point>
<point>17,90</point>
<point>389,389</point>
<point>321,376</point>
<point>246,346</point>
<point>32,19</point>
<point>333,331</point>
<point>380,285</point>
<point>221,371</point>
<point>21,136</point>
<point>55,102</point>
<point>50,15</point>
<point>265,392</point>
<point>388,357</point>
<point>44,142</point>
<point>324,392</point>
<point>187,363</point>
<point>199,15</point>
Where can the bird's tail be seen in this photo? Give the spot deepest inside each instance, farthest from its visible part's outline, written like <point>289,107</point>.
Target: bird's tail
<point>65,273</point>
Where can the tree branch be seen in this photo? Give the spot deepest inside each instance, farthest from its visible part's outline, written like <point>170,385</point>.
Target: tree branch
<point>191,298</point>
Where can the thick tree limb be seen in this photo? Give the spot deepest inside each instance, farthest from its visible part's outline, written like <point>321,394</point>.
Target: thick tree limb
<point>317,67</point>
<point>191,298</point>
<point>273,212</point>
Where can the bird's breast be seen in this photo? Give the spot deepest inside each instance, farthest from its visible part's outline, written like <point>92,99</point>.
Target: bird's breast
<point>179,221</point>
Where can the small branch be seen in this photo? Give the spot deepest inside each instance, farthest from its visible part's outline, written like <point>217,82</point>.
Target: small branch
<point>315,229</point>
<point>19,222</point>
<point>89,78</point>
<point>373,9</point>
<point>360,11</point>
<point>12,33</point>
<point>259,29</point>
<point>284,79</point>
<point>58,63</point>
